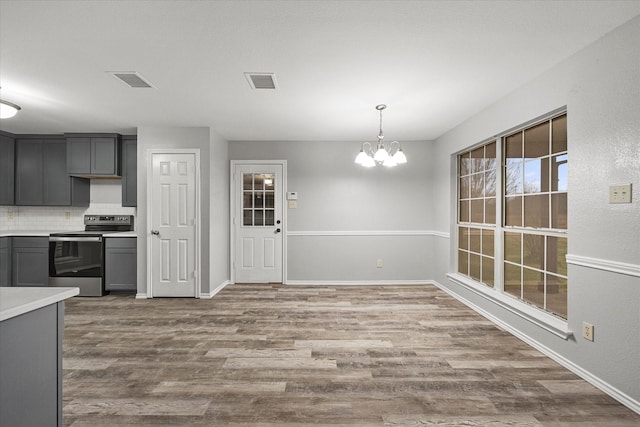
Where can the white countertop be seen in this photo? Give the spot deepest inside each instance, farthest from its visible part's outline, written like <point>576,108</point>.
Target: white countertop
<point>27,233</point>
<point>17,301</point>
<point>121,234</point>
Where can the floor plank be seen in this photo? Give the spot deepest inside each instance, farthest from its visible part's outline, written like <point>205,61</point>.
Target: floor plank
<point>272,355</point>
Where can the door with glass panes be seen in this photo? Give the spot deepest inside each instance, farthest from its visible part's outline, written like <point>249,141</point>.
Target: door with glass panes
<point>258,223</point>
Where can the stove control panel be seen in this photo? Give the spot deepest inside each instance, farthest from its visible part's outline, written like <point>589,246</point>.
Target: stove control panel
<point>108,220</point>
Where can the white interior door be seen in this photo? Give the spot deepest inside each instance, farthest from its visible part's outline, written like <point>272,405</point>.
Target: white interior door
<point>173,225</point>
<point>258,223</point>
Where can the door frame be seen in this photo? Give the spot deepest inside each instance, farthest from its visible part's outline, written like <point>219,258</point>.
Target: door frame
<point>150,153</point>
<point>232,212</point>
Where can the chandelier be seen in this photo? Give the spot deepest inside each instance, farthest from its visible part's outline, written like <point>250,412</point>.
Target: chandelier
<point>386,156</point>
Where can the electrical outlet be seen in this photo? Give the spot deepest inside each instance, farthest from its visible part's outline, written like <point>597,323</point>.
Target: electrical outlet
<point>67,215</point>
<point>379,263</point>
<point>587,331</point>
<point>10,216</point>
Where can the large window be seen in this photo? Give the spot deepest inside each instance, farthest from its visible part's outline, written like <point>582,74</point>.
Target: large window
<point>532,226</point>
<point>477,182</point>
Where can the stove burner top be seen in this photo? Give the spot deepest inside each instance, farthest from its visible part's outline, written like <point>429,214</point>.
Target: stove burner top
<point>97,225</point>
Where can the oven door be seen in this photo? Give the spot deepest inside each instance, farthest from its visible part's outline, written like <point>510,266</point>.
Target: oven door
<point>78,256</point>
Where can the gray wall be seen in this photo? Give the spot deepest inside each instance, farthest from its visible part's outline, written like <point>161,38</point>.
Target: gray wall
<point>601,88</point>
<point>219,212</point>
<point>348,216</point>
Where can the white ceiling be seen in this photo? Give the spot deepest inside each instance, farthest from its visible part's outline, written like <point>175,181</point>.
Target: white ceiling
<point>434,63</point>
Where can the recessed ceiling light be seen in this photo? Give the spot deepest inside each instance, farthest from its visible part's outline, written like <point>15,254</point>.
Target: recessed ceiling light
<point>262,80</point>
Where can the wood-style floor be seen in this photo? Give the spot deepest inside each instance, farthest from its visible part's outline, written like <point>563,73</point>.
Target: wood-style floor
<point>261,355</point>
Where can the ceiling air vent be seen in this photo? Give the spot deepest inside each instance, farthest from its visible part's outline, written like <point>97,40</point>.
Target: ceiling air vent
<point>131,79</point>
<point>261,80</point>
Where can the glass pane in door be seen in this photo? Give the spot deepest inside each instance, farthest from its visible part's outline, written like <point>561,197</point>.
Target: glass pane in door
<point>258,199</point>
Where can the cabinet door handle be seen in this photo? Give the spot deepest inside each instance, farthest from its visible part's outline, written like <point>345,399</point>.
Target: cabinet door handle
<point>155,232</point>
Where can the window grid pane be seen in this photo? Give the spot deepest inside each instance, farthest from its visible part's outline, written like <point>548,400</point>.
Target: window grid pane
<point>258,200</point>
<point>535,215</point>
<point>477,189</point>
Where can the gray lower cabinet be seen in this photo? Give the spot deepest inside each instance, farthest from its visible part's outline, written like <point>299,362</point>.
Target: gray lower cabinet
<point>7,155</point>
<point>30,261</point>
<point>40,175</point>
<point>5,261</point>
<point>129,170</point>
<point>31,368</point>
<point>120,264</point>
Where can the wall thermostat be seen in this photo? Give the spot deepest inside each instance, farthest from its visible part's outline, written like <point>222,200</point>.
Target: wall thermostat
<point>292,195</point>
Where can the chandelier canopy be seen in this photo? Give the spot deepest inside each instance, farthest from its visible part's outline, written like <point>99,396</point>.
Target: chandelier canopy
<point>389,156</point>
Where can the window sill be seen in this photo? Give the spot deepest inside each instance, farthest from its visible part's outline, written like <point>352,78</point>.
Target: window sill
<point>548,322</point>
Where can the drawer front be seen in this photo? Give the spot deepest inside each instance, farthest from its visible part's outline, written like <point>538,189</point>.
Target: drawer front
<point>31,242</point>
<point>120,242</point>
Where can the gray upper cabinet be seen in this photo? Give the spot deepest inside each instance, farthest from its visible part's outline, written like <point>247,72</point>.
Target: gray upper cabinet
<point>29,173</point>
<point>93,155</point>
<point>129,170</point>
<point>78,155</point>
<point>56,183</point>
<point>7,154</point>
<point>41,178</point>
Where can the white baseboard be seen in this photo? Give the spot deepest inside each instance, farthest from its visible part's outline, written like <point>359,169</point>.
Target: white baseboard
<point>357,282</point>
<point>141,295</point>
<point>607,388</point>
<point>214,291</point>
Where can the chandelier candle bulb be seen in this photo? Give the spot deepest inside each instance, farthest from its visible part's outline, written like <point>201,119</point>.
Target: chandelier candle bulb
<point>384,155</point>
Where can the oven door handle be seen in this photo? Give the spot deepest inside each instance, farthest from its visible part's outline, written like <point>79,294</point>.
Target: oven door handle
<point>74,239</point>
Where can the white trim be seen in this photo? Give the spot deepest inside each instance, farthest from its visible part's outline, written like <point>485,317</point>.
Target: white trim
<point>232,212</point>
<point>605,265</point>
<point>612,391</point>
<point>548,322</point>
<point>442,234</point>
<point>213,292</point>
<point>358,282</point>
<point>141,295</point>
<point>368,233</point>
<point>196,152</point>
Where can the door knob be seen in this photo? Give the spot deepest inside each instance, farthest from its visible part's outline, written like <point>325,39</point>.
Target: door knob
<point>277,230</point>
<point>155,232</point>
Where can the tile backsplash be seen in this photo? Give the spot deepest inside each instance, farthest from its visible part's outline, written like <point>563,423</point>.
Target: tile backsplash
<point>105,200</point>
<point>54,218</point>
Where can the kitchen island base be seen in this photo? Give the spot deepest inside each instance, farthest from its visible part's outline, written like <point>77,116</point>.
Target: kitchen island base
<point>31,361</point>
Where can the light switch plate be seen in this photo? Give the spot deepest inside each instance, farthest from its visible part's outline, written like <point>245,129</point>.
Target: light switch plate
<point>620,193</point>
<point>293,204</point>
